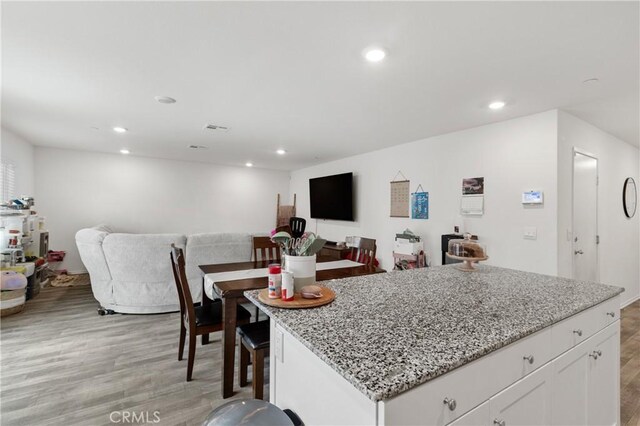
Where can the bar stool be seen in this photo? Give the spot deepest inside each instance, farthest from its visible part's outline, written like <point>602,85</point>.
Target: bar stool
<point>254,341</point>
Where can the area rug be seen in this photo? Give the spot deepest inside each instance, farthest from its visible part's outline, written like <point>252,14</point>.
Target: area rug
<point>64,280</point>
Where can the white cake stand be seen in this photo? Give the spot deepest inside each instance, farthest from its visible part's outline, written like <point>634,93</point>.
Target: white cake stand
<point>467,262</point>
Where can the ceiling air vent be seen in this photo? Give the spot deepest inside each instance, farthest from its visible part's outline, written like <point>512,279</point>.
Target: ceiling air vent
<point>198,147</point>
<point>216,128</point>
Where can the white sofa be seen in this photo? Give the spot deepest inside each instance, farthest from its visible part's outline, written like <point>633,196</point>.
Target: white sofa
<point>131,273</point>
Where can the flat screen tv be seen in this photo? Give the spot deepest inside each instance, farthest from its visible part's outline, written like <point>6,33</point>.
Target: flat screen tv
<point>331,197</point>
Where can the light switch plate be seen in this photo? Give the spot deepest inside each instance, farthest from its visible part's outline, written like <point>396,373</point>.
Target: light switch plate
<point>530,233</point>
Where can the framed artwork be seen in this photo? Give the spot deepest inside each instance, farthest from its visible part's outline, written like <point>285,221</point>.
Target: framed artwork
<point>399,198</point>
<point>473,186</point>
<point>420,204</point>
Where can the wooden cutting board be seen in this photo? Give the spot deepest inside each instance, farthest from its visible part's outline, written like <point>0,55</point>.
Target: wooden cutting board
<point>298,301</point>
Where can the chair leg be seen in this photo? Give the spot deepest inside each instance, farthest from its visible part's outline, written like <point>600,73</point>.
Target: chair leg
<point>183,334</point>
<point>192,354</point>
<point>244,365</point>
<point>258,374</point>
<point>205,339</point>
<point>257,314</point>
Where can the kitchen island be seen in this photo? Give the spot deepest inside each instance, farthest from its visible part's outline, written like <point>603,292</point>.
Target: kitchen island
<point>438,345</point>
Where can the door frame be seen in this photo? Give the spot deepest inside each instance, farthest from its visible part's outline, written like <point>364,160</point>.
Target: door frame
<point>581,151</point>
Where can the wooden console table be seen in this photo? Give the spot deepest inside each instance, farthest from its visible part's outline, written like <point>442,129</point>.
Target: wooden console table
<point>334,252</point>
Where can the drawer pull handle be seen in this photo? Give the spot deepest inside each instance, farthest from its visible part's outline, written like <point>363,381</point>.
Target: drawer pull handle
<point>499,422</point>
<point>578,332</point>
<point>451,403</point>
<point>595,354</point>
<point>528,358</point>
<point>611,314</point>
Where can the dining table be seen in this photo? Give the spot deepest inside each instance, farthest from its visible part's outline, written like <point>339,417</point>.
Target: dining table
<point>225,282</point>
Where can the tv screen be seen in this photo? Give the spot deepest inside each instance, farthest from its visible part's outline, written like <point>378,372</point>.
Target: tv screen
<point>331,197</point>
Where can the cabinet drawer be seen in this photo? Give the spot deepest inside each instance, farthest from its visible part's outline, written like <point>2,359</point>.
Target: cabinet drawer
<point>526,402</point>
<point>478,416</point>
<point>465,388</point>
<point>608,312</point>
<point>574,330</point>
<point>513,362</point>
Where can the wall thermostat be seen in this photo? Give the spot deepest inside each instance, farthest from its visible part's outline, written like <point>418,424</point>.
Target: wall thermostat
<point>532,197</point>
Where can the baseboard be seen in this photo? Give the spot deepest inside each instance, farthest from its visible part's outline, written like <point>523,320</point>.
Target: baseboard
<point>630,301</point>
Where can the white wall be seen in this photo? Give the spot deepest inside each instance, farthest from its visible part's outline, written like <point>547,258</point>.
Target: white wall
<point>513,156</point>
<point>20,152</point>
<point>77,189</point>
<point>619,252</point>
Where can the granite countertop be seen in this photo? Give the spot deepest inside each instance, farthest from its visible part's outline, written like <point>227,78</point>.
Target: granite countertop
<point>387,333</point>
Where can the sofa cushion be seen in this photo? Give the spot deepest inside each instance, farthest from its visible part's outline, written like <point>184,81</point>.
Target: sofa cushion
<point>141,267</point>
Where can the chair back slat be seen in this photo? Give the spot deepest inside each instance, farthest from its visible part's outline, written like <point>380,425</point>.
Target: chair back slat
<point>265,250</point>
<point>182,284</point>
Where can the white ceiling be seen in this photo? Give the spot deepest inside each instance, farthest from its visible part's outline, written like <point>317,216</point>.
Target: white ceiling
<point>291,75</point>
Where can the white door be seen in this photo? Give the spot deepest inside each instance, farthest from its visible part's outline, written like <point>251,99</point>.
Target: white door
<point>585,217</point>
<point>604,376</point>
<point>527,402</point>
<point>570,386</point>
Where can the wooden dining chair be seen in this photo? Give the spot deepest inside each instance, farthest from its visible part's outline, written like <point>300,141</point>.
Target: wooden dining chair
<point>265,250</point>
<point>196,320</point>
<point>364,251</point>
<point>298,225</point>
<point>254,344</point>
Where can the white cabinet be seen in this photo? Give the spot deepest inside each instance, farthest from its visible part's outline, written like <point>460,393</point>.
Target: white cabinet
<point>570,393</point>
<point>586,381</point>
<point>478,416</point>
<point>604,377</point>
<point>527,402</point>
<point>553,377</point>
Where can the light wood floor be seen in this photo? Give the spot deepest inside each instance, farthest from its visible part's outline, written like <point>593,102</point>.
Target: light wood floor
<point>630,365</point>
<point>62,364</point>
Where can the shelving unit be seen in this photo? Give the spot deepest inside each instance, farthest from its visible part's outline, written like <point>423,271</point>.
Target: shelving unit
<point>413,260</point>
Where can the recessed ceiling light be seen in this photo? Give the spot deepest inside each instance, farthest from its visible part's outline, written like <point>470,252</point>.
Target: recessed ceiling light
<point>120,129</point>
<point>124,151</point>
<point>281,152</point>
<point>248,164</point>
<point>374,54</point>
<point>165,100</point>
<point>497,105</point>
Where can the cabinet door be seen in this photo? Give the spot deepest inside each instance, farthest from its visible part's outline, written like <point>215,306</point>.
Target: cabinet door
<point>527,402</point>
<point>570,389</point>
<point>479,416</point>
<point>604,377</point>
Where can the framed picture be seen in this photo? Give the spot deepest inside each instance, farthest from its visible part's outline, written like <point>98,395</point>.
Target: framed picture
<point>420,205</point>
<point>473,186</point>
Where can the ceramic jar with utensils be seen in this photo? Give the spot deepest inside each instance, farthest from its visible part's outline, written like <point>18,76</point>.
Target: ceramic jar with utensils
<point>303,269</point>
